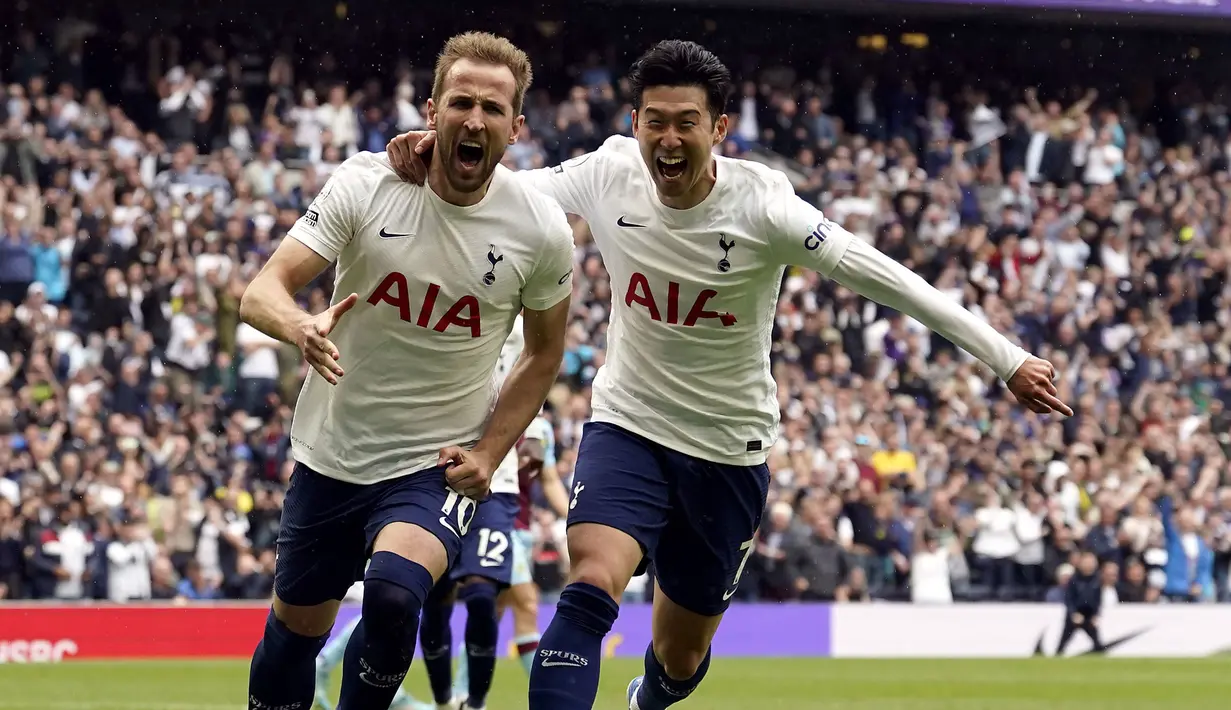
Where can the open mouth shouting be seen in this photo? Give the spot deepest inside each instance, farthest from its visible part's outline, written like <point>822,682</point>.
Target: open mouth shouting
<point>671,167</point>
<point>470,154</point>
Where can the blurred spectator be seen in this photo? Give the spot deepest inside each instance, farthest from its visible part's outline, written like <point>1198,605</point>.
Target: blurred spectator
<point>137,201</point>
<point>1134,588</point>
<point>1190,562</point>
<point>130,557</point>
<point>995,545</point>
<point>198,585</point>
<point>819,565</point>
<point>929,570</point>
<point>770,573</point>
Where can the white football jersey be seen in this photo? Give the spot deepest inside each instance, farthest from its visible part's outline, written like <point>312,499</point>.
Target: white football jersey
<point>694,294</point>
<point>504,479</point>
<point>439,289</point>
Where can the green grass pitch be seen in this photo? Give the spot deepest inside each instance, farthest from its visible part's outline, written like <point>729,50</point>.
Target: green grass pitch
<point>733,684</point>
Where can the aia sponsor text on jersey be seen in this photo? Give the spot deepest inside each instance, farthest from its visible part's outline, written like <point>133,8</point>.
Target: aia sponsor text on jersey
<point>665,307</point>
<point>394,290</point>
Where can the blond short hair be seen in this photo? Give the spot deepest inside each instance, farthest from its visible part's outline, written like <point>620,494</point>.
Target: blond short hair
<point>485,48</point>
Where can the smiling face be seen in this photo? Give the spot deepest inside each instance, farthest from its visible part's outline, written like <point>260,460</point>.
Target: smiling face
<point>475,121</point>
<point>676,133</point>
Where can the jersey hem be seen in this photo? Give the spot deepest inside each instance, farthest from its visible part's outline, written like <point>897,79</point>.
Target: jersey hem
<point>340,475</point>
<point>334,473</point>
<point>751,459</point>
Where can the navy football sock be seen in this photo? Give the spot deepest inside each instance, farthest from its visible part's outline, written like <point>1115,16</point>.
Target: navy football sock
<point>436,637</point>
<point>658,690</point>
<point>566,669</point>
<point>482,634</point>
<point>383,644</point>
<point>283,671</point>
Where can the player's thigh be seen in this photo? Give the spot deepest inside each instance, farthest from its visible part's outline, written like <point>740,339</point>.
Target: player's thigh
<point>620,501</point>
<point>488,549</point>
<point>420,518</point>
<point>709,535</point>
<point>321,547</point>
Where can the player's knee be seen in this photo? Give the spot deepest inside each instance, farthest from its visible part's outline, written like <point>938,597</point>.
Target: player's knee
<point>282,639</point>
<point>440,597</point>
<point>601,573</point>
<point>603,557</point>
<point>312,621</point>
<point>526,600</point>
<point>394,590</point>
<point>479,595</point>
<point>681,657</point>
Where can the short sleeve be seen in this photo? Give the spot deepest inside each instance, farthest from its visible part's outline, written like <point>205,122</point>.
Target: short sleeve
<point>577,183</point>
<point>551,281</point>
<point>799,235</point>
<point>330,222</point>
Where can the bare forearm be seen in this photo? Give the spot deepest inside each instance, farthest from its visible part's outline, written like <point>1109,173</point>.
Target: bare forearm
<point>520,400</point>
<point>271,309</point>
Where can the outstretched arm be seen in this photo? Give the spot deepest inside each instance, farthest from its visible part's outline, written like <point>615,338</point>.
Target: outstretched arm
<point>804,237</point>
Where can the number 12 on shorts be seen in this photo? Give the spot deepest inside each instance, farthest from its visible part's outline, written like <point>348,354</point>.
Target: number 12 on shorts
<point>745,548</point>
<point>492,546</point>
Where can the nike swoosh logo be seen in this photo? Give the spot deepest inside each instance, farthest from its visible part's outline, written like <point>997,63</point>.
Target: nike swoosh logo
<point>392,235</point>
<point>1040,651</point>
<point>728,595</point>
<point>445,522</point>
<point>622,223</point>
<point>565,277</point>
<point>549,663</point>
<point>1116,642</point>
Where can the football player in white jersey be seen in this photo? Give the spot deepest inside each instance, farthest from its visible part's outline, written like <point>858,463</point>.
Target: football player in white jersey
<point>672,467</point>
<point>497,559</point>
<point>399,426</point>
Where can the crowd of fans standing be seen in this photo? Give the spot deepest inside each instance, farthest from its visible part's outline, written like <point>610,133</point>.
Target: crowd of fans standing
<point>143,428</point>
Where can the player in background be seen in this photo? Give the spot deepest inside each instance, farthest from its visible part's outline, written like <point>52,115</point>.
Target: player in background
<point>525,461</point>
<point>672,466</point>
<point>536,461</point>
<point>483,571</point>
<point>399,428</point>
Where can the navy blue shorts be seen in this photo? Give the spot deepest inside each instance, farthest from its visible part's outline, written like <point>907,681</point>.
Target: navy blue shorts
<point>328,527</point>
<point>695,519</point>
<point>487,550</point>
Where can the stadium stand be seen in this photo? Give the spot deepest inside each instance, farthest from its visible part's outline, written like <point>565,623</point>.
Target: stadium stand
<point>146,171</point>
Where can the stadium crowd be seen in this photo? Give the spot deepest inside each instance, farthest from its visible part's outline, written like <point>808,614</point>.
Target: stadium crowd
<point>143,428</point>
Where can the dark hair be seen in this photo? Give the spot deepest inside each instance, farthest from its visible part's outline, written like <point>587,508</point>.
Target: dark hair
<point>675,62</point>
